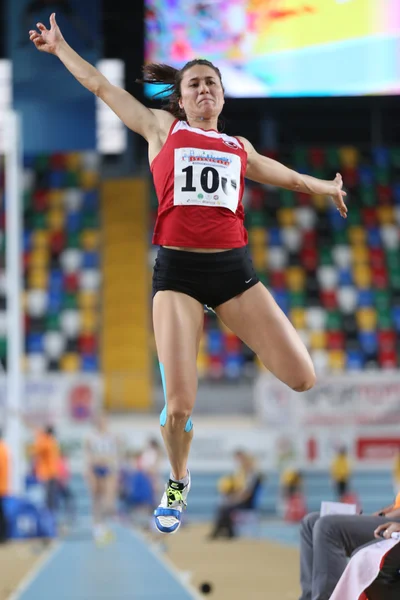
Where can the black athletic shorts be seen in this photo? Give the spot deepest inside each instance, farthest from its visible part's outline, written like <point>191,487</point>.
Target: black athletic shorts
<point>211,278</point>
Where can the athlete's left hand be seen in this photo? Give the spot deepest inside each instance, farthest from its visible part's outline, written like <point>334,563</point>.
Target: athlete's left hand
<point>338,194</point>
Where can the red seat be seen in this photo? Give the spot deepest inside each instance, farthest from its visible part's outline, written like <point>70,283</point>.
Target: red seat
<point>377,257</point>
<point>71,282</point>
<point>40,200</point>
<point>386,339</point>
<point>257,197</point>
<point>384,193</point>
<point>309,258</point>
<point>57,241</point>
<point>57,161</point>
<point>87,344</point>
<point>328,299</point>
<point>379,277</point>
<point>310,238</point>
<point>304,199</point>
<point>369,217</point>
<point>278,280</point>
<point>335,340</point>
<point>350,176</point>
<point>317,157</point>
<point>232,343</point>
<point>387,359</point>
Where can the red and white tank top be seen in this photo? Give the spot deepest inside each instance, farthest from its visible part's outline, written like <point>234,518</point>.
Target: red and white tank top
<point>199,180</point>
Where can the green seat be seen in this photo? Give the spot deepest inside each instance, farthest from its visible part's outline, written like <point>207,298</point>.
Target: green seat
<point>27,199</point>
<point>368,196</point>
<point>90,221</point>
<point>340,237</point>
<point>287,198</point>
<point>3,347</point>
<point>42,162</point>
<point>382,300</point>
<point>71,179</point>
<point>325,255</point>
<point>297,299</point>
<point>395,156</point>
<point>256,218</point>
<point>394,278</point>
<point>333,320</point>
<point>300,156</point>
<point>73,240</point>
<point>393,260</point>
<point>53,322</point>
<point>70,301</point>
<point>39,220</point>
<point>382,175</point>
<point>332,158</point>
<point>353,216</point>
<point>263,277</point>
<point>384,319</point>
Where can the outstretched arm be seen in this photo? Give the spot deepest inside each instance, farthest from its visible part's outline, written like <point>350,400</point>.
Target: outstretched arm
<point>268,171</point>
<point>132,113</point>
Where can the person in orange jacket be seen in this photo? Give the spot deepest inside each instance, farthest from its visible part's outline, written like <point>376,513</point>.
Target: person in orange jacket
<point>4,486</point>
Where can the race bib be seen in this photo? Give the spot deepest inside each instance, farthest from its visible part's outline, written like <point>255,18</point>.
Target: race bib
<point>207,178</point>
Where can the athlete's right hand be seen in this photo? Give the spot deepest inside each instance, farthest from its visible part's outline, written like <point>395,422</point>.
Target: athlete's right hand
<point>47,40</point>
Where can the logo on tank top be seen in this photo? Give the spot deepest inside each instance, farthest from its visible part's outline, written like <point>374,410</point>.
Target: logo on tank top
<point>231,144</point>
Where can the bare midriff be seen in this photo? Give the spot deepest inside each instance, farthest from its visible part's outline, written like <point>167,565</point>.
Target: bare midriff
<point>201,250</point>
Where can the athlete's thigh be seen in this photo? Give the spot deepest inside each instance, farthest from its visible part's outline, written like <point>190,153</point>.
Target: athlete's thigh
<point>255,317</point>
<point>178,323</point>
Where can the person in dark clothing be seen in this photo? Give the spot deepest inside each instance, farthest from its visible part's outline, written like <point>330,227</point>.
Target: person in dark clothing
<point>243,499</point>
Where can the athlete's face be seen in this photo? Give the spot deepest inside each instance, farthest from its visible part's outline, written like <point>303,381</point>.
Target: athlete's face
<point>202,94</point>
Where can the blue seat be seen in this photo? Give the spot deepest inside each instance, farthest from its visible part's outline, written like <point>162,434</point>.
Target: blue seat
<point>215,341</point>
<point>34,343</point>
<point>345,276</point>
<point>354,360</point>
<point>396,317</point>
<point>56,280</point>
<point>73,222</point>
<point>368,341</point>
<point>373,237</point>
<point>56,179</point>
<point>27,240</point>
<point>91,201</point>
<point>396,192</point>
<point>282,299</point>
<point>381,156</point>
<point>233,365</point>
<point>90,260</point>
<point>55,301</point>
<point>274,236</point>
<point>365,298</point>
<point>366,175</point>
<point>337,222</point>
<point>89,363</point>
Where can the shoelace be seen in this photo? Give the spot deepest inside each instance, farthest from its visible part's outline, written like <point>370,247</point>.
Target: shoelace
<point>175,496</point>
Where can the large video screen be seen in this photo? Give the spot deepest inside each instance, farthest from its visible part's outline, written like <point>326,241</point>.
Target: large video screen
<point>280,48</point>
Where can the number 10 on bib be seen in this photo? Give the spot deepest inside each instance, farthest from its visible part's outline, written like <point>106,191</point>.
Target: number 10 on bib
<point>206,178</point>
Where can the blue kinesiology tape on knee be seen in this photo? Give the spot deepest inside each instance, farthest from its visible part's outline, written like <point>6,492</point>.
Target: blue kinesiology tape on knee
<point>163,415</point>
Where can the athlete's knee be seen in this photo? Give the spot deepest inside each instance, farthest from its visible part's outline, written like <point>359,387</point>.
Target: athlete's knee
<point>178,413</point>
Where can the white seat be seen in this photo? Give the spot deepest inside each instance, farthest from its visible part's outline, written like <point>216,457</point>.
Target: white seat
<point>390,236</point>
<point>342,256</point>
<point>291,238</point>
<point>315,318</point>
<point>347,297</point>
<point>3,323</point>
<point>71,260</point>
<point>29,177</point>
<point>73,198</point>
<point>277,258</point>
<point>90,279</point>
<point>90,160</point>
<point>320,361</point>
<point>54,344</point>
<point>327,277</point>
<point>70,322</point>
<point>36,303</point>
<point>36,364</point>
<point>305,217</point>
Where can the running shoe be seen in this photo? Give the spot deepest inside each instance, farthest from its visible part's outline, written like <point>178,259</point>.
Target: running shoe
<point>168,515</point>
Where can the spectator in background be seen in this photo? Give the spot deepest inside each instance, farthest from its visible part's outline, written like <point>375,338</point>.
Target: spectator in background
<point>4,487</point>
<point>242,494</point>
<point>340,472</point>
<point>150,463</point>
<point>46,456</point>
<point>396,472</point>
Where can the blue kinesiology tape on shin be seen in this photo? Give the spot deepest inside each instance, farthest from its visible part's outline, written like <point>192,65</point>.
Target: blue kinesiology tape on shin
<point>163,415</point>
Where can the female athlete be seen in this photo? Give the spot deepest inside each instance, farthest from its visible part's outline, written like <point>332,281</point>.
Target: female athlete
<point>203,259</point>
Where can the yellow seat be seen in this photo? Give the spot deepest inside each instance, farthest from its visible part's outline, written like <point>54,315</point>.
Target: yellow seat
<point>286,217</point>
<point>319,201</point>
<point>359,255</point>
<point>89,179</point>
<point>362,276</point>
<point>348,156</point>
<point>259,255</point>
<point>298,318</point>
<point>203,363</point>
<point>258,236</point>
<point>39,258</point>
<point>336,360</point>
<point>89,320</point>
<point>366,318</point>
<point>56,219</point>
<point>90,239</point>
<point>295,278</point>
<point>37,279</point>
<point>318,340</point>
<point>357,235</point>
<point>40,239</point>
<point>87,299</point>
<point>73,161</point>
<point>386,215</point>
<point>55,199</point>
<point>70,362</point>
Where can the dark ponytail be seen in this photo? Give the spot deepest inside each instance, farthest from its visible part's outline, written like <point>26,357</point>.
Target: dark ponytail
<point>162,74</point>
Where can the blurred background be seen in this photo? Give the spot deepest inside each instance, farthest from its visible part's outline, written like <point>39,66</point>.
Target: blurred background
<point>311,83</point>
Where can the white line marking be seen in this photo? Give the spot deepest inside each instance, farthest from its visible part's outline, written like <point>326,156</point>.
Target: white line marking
<point>167,564</point>
<point>35,571</point>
